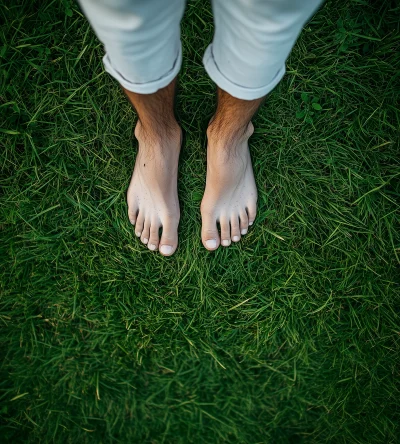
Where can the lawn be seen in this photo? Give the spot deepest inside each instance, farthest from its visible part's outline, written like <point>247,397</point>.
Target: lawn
<point>290,336</point>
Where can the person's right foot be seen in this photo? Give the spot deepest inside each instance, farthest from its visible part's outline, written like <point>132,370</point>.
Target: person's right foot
<point>152,194</point>
<point>230,197</point>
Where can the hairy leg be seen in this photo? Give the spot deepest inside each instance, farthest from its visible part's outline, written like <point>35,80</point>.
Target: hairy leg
<point>152,194</point>
<point>230,197</point>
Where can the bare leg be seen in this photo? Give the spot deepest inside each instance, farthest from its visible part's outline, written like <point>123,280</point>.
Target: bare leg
<point>230,197</point>
<point>152,195</point>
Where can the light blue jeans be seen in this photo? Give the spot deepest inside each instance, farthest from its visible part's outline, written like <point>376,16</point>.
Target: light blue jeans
<point>246,58</point>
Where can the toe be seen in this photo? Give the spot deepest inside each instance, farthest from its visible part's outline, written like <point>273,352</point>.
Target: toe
<point>132,215</point>
<point>209,232</point>
<point>146,231</point>
<point>154,239</point>
<point>225,232</point>
<point>251,211</point>
<point>133,208</point>
<point>139,224</point>
<point>235,229</point>
<point>169,238</point>
<point>244,222</point>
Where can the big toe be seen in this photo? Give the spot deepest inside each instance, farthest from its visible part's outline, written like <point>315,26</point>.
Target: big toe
<point>169,238</point>
<point>209,232</point>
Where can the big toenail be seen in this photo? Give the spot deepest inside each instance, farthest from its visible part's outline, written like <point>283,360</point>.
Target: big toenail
<point>235,238</point>
<point>244,231</point>
<point>166,249</point>
<point>225,243</point>
<point>145,240</point>
<point>152,247</point>
<point>211,243</point>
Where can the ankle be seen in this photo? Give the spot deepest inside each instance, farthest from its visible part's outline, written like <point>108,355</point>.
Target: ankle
<point>158,133</point>
<point>223,132</point>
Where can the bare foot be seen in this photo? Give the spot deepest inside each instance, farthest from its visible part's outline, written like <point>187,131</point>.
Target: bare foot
<point>230,197</point>
<point>152,194</point>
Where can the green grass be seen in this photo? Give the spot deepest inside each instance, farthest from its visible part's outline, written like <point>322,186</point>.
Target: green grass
<point>291,336</point>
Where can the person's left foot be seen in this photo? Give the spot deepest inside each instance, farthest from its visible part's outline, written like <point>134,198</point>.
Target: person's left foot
<point>152,194</point>
<point>230,197</point>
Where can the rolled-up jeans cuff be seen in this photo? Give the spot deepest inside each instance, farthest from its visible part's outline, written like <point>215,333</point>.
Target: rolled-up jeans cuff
<point>235,90</point>
<point>148,87</point>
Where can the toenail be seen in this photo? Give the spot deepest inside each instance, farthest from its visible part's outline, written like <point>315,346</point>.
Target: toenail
<point>152,247</point>
<point>211,243</point>
<point>235,238</point>
<point>138,234</point>
<point>145,240</point>
<point>132,221</point>
<point>166,249</point>
<point>225,243</point>
<point>244,231</point>
<point>250,223</point>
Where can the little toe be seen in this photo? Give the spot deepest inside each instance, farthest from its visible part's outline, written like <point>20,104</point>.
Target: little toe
<point>252,212</point>
<point>132,215</point>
